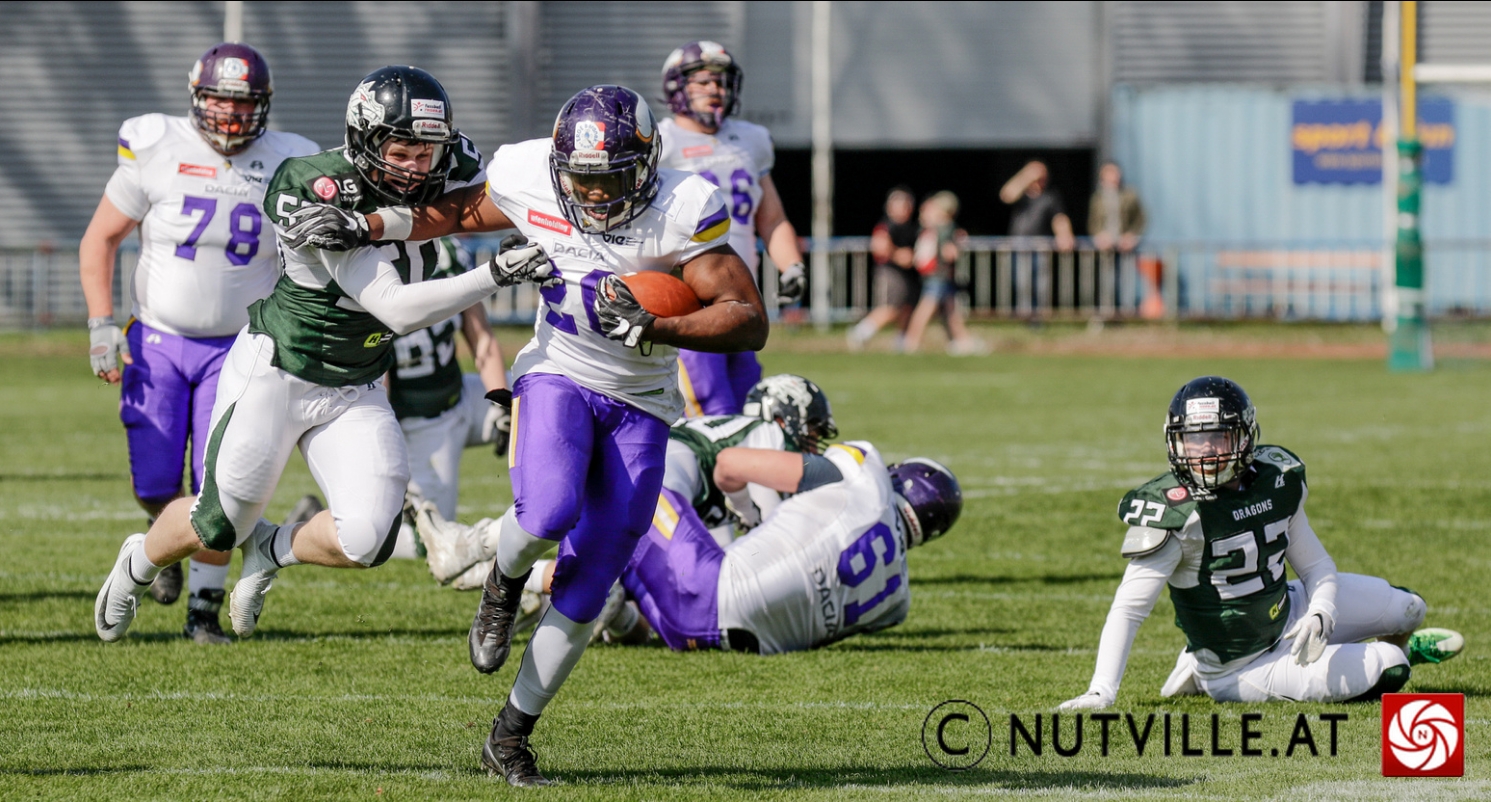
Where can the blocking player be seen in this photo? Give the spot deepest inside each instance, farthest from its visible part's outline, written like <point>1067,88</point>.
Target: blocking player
<point>597,387</point>
<point>440,410</point>
<point>306,370</point>
<point>1218,530</point>
<point>702,83</point>
<point>803,422</point>
<point>193,186</point>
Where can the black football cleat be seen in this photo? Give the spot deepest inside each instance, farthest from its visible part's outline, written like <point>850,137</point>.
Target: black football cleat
<point>166,588</point>
<point>512,758</point>
<point>496,618</point>
<point>202,624</point>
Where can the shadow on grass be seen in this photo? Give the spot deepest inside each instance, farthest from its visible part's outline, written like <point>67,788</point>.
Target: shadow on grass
<point>1048,579</point>
<point>1454,687</point>
<point>46,595</point>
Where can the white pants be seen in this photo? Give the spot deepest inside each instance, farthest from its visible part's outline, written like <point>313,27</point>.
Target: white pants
<point>348,436</point>
<point>1366,607</point>
<point>435,445</point>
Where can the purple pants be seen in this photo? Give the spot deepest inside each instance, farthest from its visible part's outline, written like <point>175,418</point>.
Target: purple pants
<point>675,576</point>
<point>167,395</point>
<point>716,384</point>
<point>586,471</point>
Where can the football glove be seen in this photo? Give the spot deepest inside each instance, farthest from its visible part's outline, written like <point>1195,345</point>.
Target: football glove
<point>1092,700</point>
<point>1310,635</point>
<point>791,285</point>
<point>327,228</point>
<point>106,344</point>
<point>743,507</point>
<point>621,317</point>
<point>518,261</point>
<point>498,425</point>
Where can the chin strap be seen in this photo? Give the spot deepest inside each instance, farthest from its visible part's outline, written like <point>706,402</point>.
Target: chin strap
<point>914,535</point>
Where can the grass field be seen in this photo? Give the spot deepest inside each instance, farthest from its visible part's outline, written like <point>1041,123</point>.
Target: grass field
<point>358,684</point>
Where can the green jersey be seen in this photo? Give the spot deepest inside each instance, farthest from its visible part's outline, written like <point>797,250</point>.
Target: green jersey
<point>1230,588</point>
<point>706,437</point>
<point>320,332</point>
<point>426,379</point>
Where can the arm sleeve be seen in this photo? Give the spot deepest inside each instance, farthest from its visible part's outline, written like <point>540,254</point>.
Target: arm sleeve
<point>374,283</point>
<point>1314,565</point>
<point>1142,584</point>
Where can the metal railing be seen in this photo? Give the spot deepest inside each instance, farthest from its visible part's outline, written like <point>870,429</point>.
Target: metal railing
<point>998,277</point>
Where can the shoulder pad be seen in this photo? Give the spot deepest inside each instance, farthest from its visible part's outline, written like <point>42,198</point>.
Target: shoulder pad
<point>325,177</point>
<point>1162,503</point>
<point>1282,459</point>
<point>468,162</point>
<point>138,134</point>
<point>1142,540</point>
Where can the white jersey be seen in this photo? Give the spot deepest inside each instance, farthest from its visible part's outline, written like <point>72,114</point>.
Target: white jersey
<point>827,564</point>
<point>735,158</point>
<point>206,252</point>
<point>687,218</point>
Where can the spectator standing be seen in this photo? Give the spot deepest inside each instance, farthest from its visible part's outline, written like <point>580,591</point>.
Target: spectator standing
<point>935,254</point>
<point>898,285</point>
<point>1038,208</point>
<point>1115,218</point>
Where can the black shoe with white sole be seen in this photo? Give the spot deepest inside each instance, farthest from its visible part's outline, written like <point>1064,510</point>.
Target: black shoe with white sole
<point>492,630</point>
<point>507,753</point>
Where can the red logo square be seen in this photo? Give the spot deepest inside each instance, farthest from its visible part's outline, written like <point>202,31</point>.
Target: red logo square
<point>548,221</point>
<point>1423,735</point>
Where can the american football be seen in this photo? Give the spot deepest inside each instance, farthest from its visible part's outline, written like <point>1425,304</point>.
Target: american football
<point>661,293</point>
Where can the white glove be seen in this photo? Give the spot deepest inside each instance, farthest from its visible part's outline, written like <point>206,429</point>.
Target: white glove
<point>518,261</point>
<point>1310,634</point>
<point>743,507</point>
<point>1092,700</point>
<point>106,343</point>
<point>791,285</point>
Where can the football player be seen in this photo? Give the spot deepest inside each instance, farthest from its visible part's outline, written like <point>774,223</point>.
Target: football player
<point>441,411</point>
<point>1218,529</point>
<point>306,369</point>
<point>461,555</point>
<point>193,186</point>
<point>702,83</point>
<point>597,387</point>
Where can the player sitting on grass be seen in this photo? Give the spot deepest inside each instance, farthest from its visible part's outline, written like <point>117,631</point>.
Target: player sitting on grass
<point>461,555</point>
<point>1218,529</point>
<point>828,563</point>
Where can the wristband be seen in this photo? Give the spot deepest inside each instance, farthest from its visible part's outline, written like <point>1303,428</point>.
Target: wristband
<point>100,321</point>
<point>398,222</point>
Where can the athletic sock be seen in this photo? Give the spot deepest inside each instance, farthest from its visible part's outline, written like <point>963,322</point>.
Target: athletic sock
<point>205,576</point>
<point>552,653</point>
<point>535,583</point>
<point>141,570</point>
<point>517,549</point>
<point>281,546</point>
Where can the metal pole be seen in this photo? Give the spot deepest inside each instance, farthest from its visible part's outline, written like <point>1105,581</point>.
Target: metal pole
<point>1387,141</point>
<point>233,21</point>
<point>1409,348</point>
<point>823,208</point>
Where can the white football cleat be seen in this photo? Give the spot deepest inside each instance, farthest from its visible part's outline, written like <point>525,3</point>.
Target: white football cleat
<point>450,547</point>
<point>259,571</point>
<point>615,600</point>
<point>119,599</point>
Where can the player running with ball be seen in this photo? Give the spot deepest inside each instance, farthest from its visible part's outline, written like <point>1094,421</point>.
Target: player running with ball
<point>306,371</point>
<point>597,387</point>
<point>1218,529</point>
<point>701,81</point>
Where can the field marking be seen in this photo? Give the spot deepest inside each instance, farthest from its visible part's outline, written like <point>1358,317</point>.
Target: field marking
<point>1179,791</point>
<point>1387,790</point>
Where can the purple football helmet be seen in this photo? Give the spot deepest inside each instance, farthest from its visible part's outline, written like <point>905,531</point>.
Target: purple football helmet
<point>928,497</point>
<point>237,72</point>
<point>604,163</point>
<point>695,56</point>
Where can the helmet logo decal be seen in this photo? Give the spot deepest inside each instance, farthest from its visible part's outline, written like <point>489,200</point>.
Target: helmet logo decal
<point>325,188</point>
<point>1195,405</point>
<point>590,135</point>
<point>363,110</point>
<point>232,68</point>
<point>434,129</point>
<point>644,120</point>
<point>427,108</point>
<point>196,74</point>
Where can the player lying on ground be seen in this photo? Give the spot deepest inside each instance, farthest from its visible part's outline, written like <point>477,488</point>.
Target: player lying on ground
<point>828,563</point>
<point>461,555</point>
<point>193,186</point>
<point>306,371</point>
<point>598,386</point>
<point>701,81</point>
<point>1218,529</point>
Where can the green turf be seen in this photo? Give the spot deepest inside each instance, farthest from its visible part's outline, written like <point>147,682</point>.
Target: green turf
<point>358,685</point>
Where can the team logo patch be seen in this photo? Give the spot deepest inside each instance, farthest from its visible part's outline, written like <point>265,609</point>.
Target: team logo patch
<point>590,135</point>
<point>324,187</point>
<point>1423,735</point>
<point>363,110</point>
<point>1177,494</point>
<point>1203,405</point>
<point>232,68</point>
<point>550,222</point>
<point>697,151</point>
<point>198,170</point>
<point>427,108</point>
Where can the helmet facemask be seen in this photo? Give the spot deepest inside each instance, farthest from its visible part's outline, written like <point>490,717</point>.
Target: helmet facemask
<point>398,183</point>
<point>622,185</point>
<point>229,132</point>
<point>1209,448</point>
<point>683,63</point>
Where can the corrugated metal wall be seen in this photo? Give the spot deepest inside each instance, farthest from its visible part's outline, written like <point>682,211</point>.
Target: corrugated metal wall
<point>1455,32</point>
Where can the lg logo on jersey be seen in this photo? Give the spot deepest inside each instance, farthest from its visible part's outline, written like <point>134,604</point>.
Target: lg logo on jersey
<point>1423,735</point>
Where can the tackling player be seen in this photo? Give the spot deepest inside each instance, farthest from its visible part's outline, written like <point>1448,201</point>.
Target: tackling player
<point>193,186</point>
<point>1218,530</point>
<point>702,83</point>
<point>597,387</point>
<point>306,369</point>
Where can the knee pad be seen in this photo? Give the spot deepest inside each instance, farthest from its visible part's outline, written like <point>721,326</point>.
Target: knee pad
<point>363,542</point>
<point>212,523</point>
<point>390,541</point>
<point>1410,609</point>
<point>1392,679</point>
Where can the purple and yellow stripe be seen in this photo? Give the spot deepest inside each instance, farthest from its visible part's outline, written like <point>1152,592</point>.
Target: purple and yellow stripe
<point>124,150</point>
<point>712,227</point>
